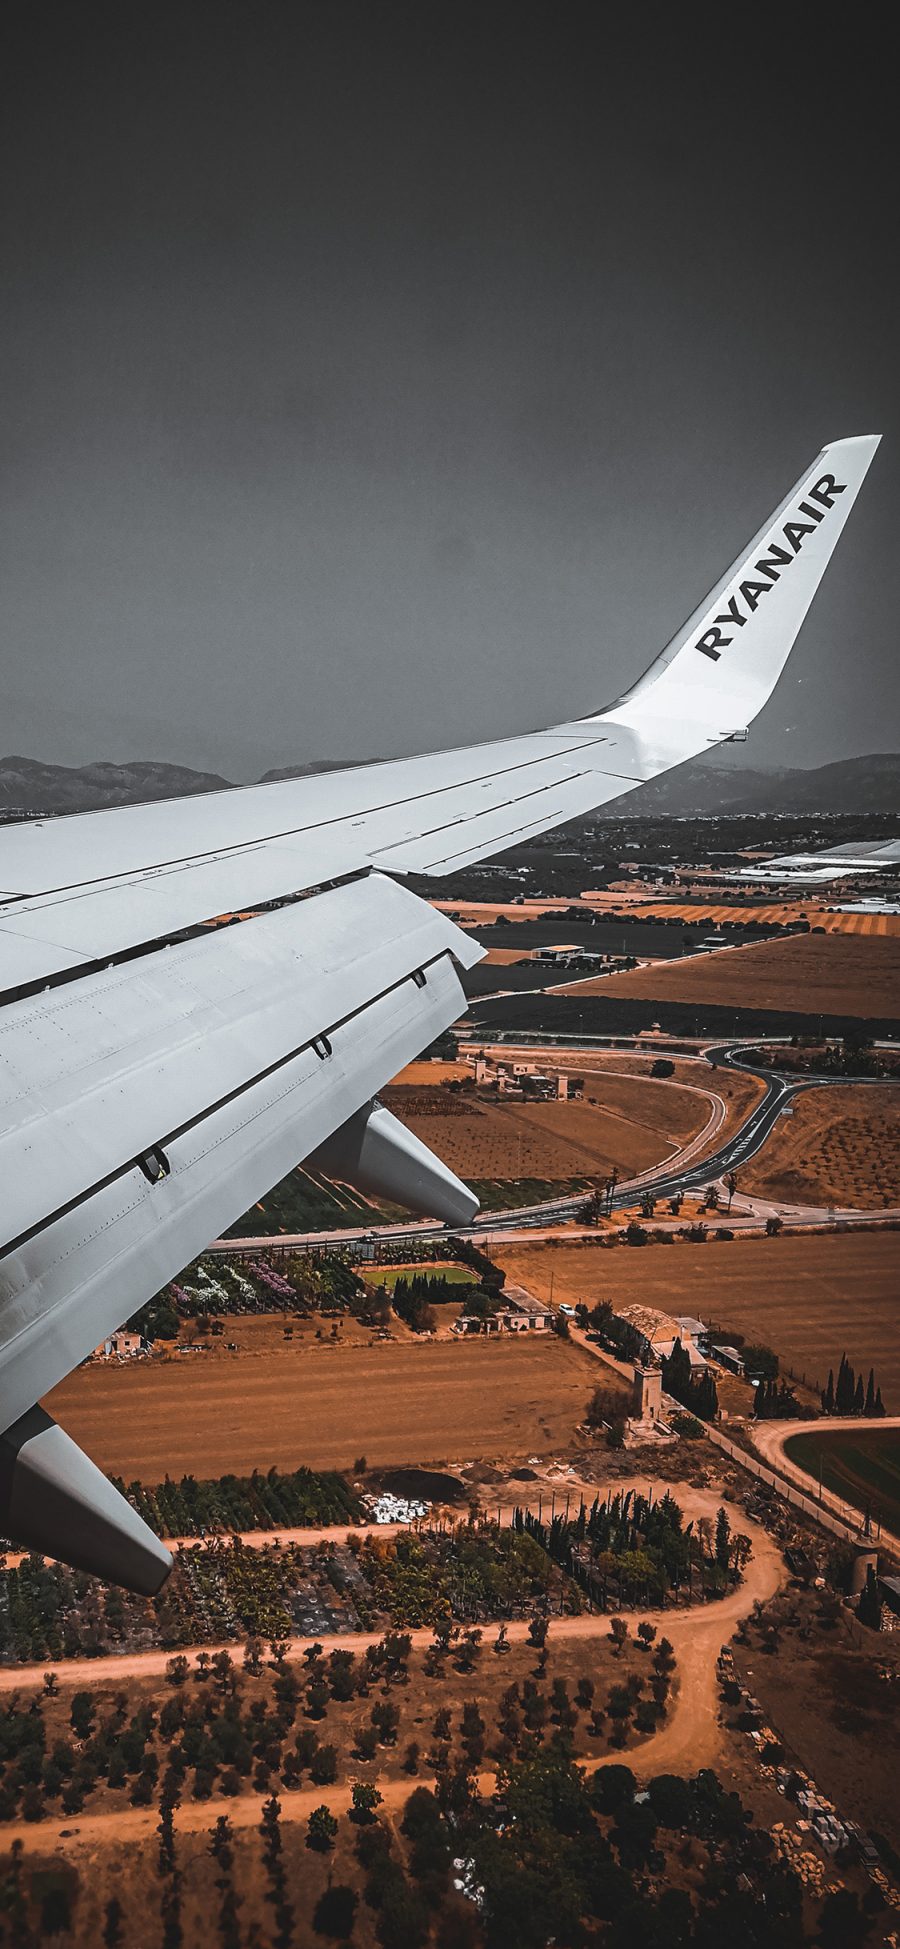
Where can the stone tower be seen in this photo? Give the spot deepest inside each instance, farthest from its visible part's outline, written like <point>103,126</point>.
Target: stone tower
<point>646,1397</point>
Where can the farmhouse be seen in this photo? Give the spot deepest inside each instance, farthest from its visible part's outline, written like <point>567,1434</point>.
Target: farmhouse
<point>660,1332</point>
<point>121,1346</point>
<point>519,1312</point>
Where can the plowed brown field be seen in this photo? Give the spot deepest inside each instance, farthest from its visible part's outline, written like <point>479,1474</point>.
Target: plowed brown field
<point>829,974</point>
<point>636,1122</point>
<point>738,1091</point>
<point>838,1147</point>
<point>810,1298</point>
<point>324,1405</point>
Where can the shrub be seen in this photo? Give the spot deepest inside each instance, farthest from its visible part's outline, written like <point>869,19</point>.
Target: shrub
<point>335,1912</point>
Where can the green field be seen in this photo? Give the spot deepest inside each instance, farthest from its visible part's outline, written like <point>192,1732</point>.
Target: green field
<point>387,1275</point>
<point>862,1467</point>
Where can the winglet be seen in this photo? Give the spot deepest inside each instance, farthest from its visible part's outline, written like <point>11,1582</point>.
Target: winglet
<point>722,665</point>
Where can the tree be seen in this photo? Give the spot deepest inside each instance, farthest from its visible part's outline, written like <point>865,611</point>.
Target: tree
<point>842,1923</point>
<point>605,1406</point>
<point>51,1685</point>
<point>365,1800</point>
<point>828,1394</point>
<point>317,1696</point>
<point>82,1714</point>
<point>253,1657</point>
<point>404,1920</point>
<point>618,1633</point>
<point>869,1607</point>
<point>321,1829</point>
<point>33,1801</point>
<point>672,1802</point>
<point>56,1917</point>
<point>113,1932</point>
<point>323,1766</point>
<point>335,1912</point>
<point>385,1717</point>
<point>223,1671</point>
<point>774,1226</point>
<point>612,1788</point>
<point>723,1540</point>
<point>220,1841</point>
<point>868,1410</point>
<point>760,1362</point>
<point>845,1388</point>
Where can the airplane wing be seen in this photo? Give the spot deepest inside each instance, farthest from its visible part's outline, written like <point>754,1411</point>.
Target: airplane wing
<point>162,1066</point>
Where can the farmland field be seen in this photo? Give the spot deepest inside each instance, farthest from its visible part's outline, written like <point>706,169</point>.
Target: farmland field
<point>739,1091</point>
<point>322,1405</point>
<point>862,1466</point>
<point>838,1147</point>
<point>831,974</point>
<point>709,913</point>
<point>638,904</point>
<point>634,1123</point>
<point>810,1298</point>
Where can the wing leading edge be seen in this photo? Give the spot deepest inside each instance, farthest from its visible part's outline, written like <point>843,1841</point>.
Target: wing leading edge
<point>132,1030</point>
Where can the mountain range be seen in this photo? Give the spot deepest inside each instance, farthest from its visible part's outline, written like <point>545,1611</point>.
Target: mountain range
<point>869,784</point>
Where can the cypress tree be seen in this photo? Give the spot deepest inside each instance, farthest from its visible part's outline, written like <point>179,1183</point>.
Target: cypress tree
<point>843,1394</point>
<point>828,1395</point>
<point>869,1607</point>
<point>704,1399</point>
<point>870,1394</point>
<point>723,1540</point>
<point>879,1404</point>
<point>859,1398</point>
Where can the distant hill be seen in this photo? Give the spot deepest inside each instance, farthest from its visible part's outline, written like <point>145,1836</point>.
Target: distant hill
<point>27,785</point>
<point>870,784</point>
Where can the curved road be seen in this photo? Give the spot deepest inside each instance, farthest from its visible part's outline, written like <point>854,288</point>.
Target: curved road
<point>769,1439</point>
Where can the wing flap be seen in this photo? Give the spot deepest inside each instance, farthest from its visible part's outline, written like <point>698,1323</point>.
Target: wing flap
<point>97,1073</point>
<point>76,1278</point>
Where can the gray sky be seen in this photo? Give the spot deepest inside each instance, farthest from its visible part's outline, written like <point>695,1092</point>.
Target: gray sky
<point>379,377</point>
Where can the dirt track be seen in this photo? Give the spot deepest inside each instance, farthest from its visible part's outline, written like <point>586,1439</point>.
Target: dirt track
<point>690,1739</point>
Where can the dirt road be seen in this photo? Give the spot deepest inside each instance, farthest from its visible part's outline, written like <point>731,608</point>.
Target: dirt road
<point>691,1737</point>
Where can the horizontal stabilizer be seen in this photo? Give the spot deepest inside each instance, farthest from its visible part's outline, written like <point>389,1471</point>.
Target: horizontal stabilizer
<point>377,1154</point>
<point>53,1499</point>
